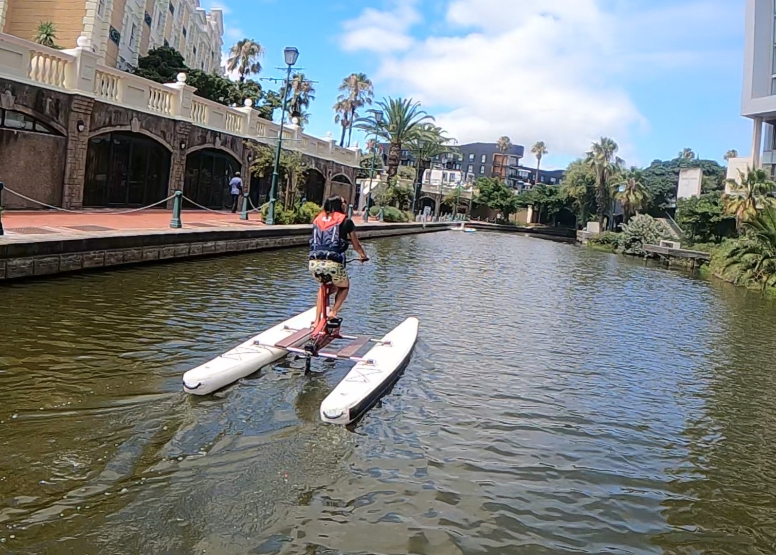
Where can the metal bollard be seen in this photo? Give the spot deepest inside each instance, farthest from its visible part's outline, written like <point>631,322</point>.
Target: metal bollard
<point>2,185</point>
<point>381,215</point>
<point>244,213</point>
<point>350,211</point>
<point>176,223</point>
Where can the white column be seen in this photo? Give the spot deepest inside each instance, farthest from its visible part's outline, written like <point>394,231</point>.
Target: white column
<point>757,139</point>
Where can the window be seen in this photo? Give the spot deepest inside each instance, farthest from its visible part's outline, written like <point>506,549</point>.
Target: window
<point>114,35</point>
<point>184,31</point>
<point>159,21</point>
<point>471,157</point>
<point>172,9</point>
<point>101,8</point>
<point>18,121</point>
<point>482,169</point>
<point>147,19</point>
<point>484,159</point>
<point>470,169</point>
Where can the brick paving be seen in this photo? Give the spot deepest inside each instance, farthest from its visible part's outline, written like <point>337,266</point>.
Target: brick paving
<point>20,224</point>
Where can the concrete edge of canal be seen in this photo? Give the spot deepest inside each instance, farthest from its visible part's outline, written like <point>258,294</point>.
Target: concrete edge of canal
<point>64,254</point>
<point>43,257</point>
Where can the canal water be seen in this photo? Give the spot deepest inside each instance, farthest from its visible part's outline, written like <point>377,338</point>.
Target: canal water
<point>559,401</point>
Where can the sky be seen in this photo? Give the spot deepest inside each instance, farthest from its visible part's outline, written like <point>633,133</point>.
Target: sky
<point>655,75</point>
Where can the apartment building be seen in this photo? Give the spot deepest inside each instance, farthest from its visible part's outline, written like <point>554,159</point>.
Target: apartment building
<point>121,31</point>
<point>759,91</point>
<point>486,160</point>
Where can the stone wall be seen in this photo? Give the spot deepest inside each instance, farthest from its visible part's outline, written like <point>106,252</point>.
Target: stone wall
<point>48,257</point>
<point>61,169</point>
<point>21,168</point>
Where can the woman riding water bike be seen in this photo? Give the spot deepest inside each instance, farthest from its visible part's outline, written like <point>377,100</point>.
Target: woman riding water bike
<point>333,232</point>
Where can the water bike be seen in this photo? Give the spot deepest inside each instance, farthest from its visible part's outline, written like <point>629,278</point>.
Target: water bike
<point>309,335</point>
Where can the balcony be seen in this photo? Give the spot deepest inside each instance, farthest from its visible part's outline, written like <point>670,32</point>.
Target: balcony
<point>76,71</point>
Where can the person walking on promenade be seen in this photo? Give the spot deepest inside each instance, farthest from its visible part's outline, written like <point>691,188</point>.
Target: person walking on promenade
<point>236,185</point>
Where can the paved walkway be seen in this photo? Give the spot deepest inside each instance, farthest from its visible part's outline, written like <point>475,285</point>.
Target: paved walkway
<point>40,225</point>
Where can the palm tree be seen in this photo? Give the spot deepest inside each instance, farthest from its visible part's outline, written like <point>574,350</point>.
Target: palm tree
<point>243,57</point>
<point>504,144</point>
<point>429,142</point>
<point>753,258</point>
<point>632,193</point>
<point>539,150</point>
<point>342,116</point>
<point>749,194</point>
<point>605,163</point>
<point>732,153</point>
<point>687,154</point>
<point>301,92</point>
<point>402,120</point>
<point>46,34</point>
<point>359,93</point>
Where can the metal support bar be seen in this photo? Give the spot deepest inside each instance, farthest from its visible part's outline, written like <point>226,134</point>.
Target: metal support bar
<point>244,213</point>
<point>176,223</point>
<point>2,186</point>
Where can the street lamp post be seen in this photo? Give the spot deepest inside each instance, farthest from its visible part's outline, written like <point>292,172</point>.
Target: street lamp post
<point>378,121</point>
<point>291,55</point>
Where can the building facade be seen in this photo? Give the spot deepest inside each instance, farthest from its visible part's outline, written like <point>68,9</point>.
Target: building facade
<point>120,31</point>
<point>486,160</point>
<point>759,90</point>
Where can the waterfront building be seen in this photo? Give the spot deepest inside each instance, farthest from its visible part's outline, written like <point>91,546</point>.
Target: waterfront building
<point>120,31</point>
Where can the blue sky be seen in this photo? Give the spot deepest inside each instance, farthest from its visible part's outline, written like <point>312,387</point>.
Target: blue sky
<point>656,75</point>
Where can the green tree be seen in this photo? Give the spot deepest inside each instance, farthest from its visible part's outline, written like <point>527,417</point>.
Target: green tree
<point>272,101</point>
<point>703,218</point>
<point>605,163</point>
<point>579,190</point>
<point>751,260</point>
<point>402,121</point>
<point>244,58</point>
<point>46,34</point>
<point>687,154</point>
<point>494,193</point>
<point>300,93</point>
<point>632,194</point>
<point>366,162</point>
<point>358,92</point>
<point>539,149</point>
<point>732,153</point>
<point>546,201</point>
<point>749,194</point>
<point>661,180</point>
<point>504,144</point>
<point>161,65</point>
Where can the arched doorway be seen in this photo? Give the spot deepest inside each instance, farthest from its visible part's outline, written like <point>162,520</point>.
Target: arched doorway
<point>423,202</point>
<point>125,169</point>
<point>208,173</point>
<point>315,183</point>
<point>342,186</point>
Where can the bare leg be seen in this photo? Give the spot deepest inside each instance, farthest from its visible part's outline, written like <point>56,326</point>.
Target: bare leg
<point>339,300</point>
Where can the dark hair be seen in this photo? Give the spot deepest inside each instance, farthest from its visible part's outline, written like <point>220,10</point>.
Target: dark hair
<point>333,204</point>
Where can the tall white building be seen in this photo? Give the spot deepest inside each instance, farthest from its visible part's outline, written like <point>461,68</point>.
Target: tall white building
<point>759,91</point>
<point>123,30</point>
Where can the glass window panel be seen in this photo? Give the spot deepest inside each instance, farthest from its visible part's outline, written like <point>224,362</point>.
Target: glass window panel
<point>16,120</point>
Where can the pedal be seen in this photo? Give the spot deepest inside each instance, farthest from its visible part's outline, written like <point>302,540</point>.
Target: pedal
<point>309,348</point>
<point>333,325</point>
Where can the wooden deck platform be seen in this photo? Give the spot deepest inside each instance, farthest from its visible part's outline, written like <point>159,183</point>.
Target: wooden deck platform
<point>677,253</point>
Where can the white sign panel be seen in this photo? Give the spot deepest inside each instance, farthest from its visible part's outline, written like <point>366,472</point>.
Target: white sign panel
<point>690,180</point>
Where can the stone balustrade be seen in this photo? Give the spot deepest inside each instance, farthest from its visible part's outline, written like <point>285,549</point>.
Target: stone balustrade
<point>77,71</point>
<point>437,187</point>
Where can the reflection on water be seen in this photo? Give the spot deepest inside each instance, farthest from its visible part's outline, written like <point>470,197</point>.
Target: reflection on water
<point>558,401</point>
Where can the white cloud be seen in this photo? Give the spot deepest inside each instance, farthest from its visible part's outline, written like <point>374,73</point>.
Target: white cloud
<point>382,31</point>
<point>234,33</point>
<point>217,6</point>
<point>551,70</point>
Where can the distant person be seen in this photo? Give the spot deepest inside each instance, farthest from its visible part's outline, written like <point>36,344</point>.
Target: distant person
<point>236,185</point>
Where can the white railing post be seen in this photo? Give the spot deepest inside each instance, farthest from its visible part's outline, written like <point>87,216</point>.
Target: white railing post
<point>248,126</point>
<point>182,97</point>
<point>80,74</point>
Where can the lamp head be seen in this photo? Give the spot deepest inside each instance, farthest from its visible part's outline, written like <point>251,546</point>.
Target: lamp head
<point>291,54</point>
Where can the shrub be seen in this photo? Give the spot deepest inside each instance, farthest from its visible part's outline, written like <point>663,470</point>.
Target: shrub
<point>390,214</point>
<point>750,260</point>
<point>608,240</point>
<point>306,213</point>
<point>642,230</point>
<point>282,216</point>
